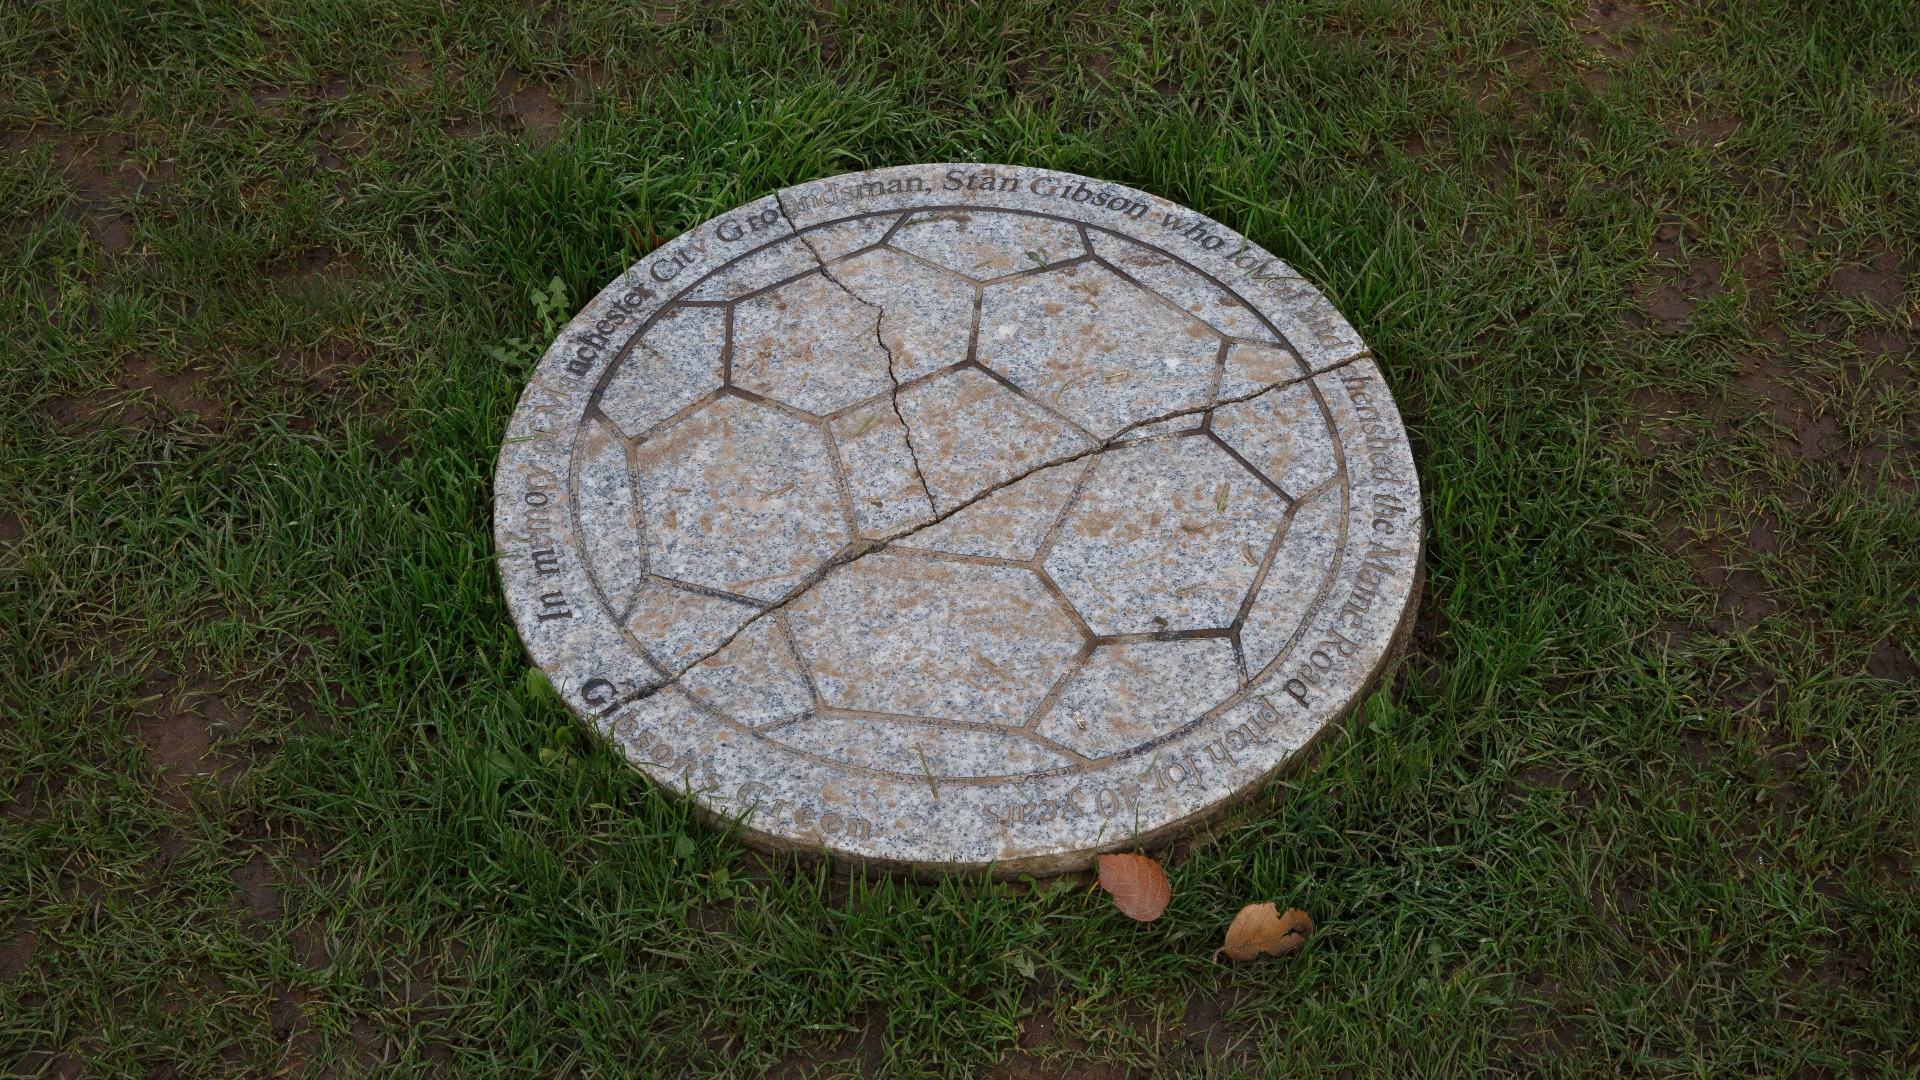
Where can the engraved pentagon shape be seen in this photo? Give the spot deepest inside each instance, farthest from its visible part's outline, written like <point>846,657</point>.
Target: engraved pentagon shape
<point>1129,694</point>
<point>1300,566</point>
<point>1185,287</point>
<point>756,680</point>
<point>926,316</point>
<point>770,265</point>
<point>1097,347</point>
<point>676,363</point>
<point>678,625</point>
<point>840,238</point>
<point>986,244</point>
<point>1009,523</point>
<point>919,750</point>
<point>1252,366</point>
<point>882,479</point>
<point>1166,535</point>
<point>902,634</point>
<point>810,344</point>
<point>740,497</point>
<point>1283,434</point>
<point>970,432</point>
<point>609,515</point>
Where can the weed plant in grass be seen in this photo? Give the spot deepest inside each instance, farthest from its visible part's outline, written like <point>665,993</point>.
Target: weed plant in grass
<point>276,797</point>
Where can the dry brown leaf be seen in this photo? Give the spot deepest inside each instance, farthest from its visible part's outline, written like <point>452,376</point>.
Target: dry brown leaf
<point>1139,887</point>
<point>1261,929</point>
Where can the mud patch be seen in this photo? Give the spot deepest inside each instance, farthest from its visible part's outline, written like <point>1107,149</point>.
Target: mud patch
<point>14,956</point>
<point>311,945</point>
<point>178,743</point>
<point>324,368</point>
<point>1709,130</point>
<point>145,395</point>
<point>1804,429</point>
<point>863,1051</point>
<point>254,889</point>
<point>1582,794</point>
<point>1204,1032</point>
<point>111,169</point>
<point>316,262</point>
<point>1874,279</point>
<point>179,728</point>
<point>1045,1051</point>
<point>1619,29</point>
<point>1661,420</point>
<point>1670,302</point>
<point>1667,241</point>
<point>1889,661</point>
<point>112,232</point>
<point>340,144</point>
<point>1740,594</point>
<point>528,108</point>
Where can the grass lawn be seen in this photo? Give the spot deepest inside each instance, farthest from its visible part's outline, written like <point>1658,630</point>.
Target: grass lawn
<point>276,797</point>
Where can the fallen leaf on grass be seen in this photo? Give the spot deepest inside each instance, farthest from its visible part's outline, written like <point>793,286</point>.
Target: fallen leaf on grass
<point>1139,887</point>
<point>1260,929</point>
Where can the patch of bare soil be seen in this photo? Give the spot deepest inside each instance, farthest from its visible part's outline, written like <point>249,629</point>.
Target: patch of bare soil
<point>1889,661</point>
<point>15,955</point>
<point>1710,130</point>
<point>414,69</point>
<point>1205,1035</point>
<point>1581,794</point>
<point>324,368</point>
<point>1669,299</point>
<point>1740,593</point>
<point>311,945</point>
<point>1805,429</point>
<point>1045,1051</point>
<point>255,890</point>
<point>104,173</point>
<point>527,108</point>
<point>340,143</point>
<point>1664,420</point>
<point>1620,28</point>
<point>864,1053</point>
<point>1523,58</point>
<point>145,394</point>
<point>314,262</point>
<point>179,725</point>
<point>1539,1028</point>
<point>287,1018</point>
<point>1875,279</point>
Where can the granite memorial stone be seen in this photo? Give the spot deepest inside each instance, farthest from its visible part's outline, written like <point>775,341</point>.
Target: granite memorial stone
<point>953,515</point>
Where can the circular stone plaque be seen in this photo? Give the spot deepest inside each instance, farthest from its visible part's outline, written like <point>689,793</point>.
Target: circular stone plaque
<point>954,515</point>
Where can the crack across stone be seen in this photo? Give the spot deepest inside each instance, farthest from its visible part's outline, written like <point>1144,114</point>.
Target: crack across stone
<point>862,547</point>
<point>893,374</point>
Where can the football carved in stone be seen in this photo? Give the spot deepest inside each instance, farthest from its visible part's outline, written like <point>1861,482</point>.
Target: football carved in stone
<point>956,516</point>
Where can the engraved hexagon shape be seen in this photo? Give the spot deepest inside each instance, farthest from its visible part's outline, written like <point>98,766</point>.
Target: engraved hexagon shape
<point>1126,695</point>
<point>985,244</point>
<point>739,497</point>
<point>1284,434</point>
<point>811,344</point>
<point>1166,535</point>
<point>916,636</point>
<point>1099,348</point>
<point>926,313</point>
<point>673,365</point>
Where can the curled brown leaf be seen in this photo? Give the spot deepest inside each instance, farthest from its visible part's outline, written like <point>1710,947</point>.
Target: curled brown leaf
<point>1140,888</point>
<point>1260,929</point>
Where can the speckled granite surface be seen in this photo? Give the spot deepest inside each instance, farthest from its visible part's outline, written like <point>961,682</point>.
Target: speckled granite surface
<point>955,515</point>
